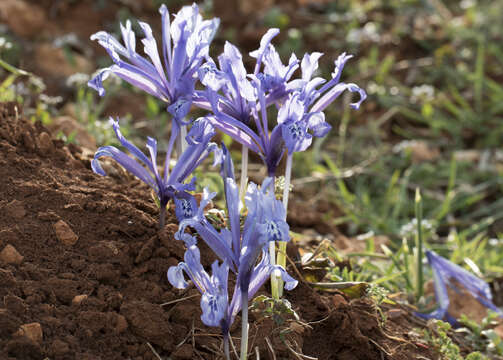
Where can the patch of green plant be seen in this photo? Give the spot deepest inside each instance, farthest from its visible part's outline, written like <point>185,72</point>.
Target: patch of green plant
<point>482,336</point>
<point>438,338</point>
<point>278,310</point>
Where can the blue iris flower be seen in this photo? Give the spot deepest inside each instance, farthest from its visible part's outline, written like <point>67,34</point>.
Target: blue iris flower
<point>239,101</point>
<point>170,184</point>
<point>185,44</point>
<point>242,251</point>
<point>446,274</point>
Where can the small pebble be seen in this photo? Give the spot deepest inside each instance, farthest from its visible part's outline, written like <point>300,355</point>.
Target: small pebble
<point>78,299</point>
<point>64,233</point>
<point>32,331</point>
<point>10,255</point>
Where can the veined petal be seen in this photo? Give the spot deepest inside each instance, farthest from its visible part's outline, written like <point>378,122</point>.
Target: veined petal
<point>200,132</point>
<point>296,136</point>
<point>96,83</point>
<point>214,309</point>
<point>317,124</point>
<point>150,48</point>
<point>166,37</point>
<point>334,93</point>
<point>210,76</point>
<point>185,206</point>
<point>264,43</point>
<point>237,130</point>
<point>176,277</point>
<point>125,161</point>
<point>215,301</point>
<point>180,108</point>
<point>140,81</point>
<point>309,65</point>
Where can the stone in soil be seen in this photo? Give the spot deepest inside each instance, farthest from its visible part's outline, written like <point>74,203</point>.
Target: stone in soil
<point>65,233</point>
<point>10,255</point>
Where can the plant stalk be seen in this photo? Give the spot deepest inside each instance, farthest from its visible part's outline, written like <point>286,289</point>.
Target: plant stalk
<point>244,325</point>
<point>181,144</point>
<point>282,244</point>
<point>419,244</point>
<point>162,216</point>
<point>272,258</point>
<point>244,172</point>
<point>226,347</point>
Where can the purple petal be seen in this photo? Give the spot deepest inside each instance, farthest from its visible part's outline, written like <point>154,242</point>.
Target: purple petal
<point>125,161</point>
<point>309,65</point>
<point>264,43</point>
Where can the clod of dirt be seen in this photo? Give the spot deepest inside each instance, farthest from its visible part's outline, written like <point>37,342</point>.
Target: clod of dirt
<point>65,233</point>
<point>149,321</point>
<point>78,299</point>
<point>15,209</point>
<point>184,352</point>
<point>10,255</point>
<point>32,331</point>
<point>121,324</point>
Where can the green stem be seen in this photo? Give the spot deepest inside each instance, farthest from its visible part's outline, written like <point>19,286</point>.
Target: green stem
<point>419,244</point>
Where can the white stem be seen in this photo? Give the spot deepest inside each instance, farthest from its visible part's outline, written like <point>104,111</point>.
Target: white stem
<point>183,142</point>
<point>244,171</point>
<point>244,325</point>
<point>288,176</point>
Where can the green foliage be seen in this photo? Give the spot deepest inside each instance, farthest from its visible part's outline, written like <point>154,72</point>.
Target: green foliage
<point>278,310</point>
<point>482,336</point>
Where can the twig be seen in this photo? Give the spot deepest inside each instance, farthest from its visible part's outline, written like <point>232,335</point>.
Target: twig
<point>153,350</point>
<point>233,347</point>
<point>380,347</point>
<point>269,346</point>
<point>179,300</point>
<point>298,355</point>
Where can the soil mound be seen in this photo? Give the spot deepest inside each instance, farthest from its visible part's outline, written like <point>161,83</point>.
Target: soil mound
<point>83,272</point>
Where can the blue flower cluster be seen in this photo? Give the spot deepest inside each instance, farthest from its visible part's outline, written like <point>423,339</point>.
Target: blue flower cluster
<point>238,104</point>
<point>242,251</point>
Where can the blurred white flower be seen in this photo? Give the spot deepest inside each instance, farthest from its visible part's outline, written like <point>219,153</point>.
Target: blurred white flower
<point>422,93</point>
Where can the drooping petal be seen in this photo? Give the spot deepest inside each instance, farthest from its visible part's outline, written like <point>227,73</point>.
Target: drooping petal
<point>447,274</point>
<point>334,93</point>
<point>176,277</point>
<point>317,124</point>
<point>126,162</point>
<point>290,282</point>
<point>214,309</point>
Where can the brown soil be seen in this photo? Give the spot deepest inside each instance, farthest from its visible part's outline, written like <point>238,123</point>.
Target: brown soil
<point>82,273</point>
